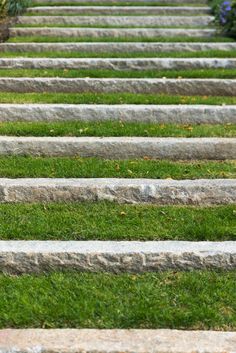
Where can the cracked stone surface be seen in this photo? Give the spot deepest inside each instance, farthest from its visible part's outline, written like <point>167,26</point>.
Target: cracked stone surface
<point>117,64</point>
<point>118,21</point>
<point>202,87</point>
<point>161,192</point>
<point>178,114</point>
<point>115,341</point>
<point>18,257</point>
<point>116,10</point>
<point>115,47</point>
<point>121,147</point>
<point>110,32</point>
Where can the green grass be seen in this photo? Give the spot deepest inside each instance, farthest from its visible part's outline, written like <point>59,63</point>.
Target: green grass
<point>79,221</point>
<point>67,167</point>
<point>187,300</point>
<point>103,73</point>
<point>78,54</point>
<point>48,39</point>
<point>115,128</point>
<point>111,98</point>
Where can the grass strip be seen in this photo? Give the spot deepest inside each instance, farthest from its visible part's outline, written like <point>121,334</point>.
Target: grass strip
<point>111,98</point>
<point>78,221</point>
<point>191,300</point>
<point>103,73</point>
<point>115,128</point>
<point>131,55</point>
<point>48,39</point>
<point>66,167</point>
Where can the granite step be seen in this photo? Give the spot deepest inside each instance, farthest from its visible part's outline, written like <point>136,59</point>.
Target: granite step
<point>121,10</point>
<point>204,192</point>
<point>138,64</point>
<point>189,87</point>
<point>135,21</point>
<point>70,32</point>
<point>20,257</point>
<point>126,341</point>
<point>160,114</point>
<point>173,148</point>
<point>111,47</point>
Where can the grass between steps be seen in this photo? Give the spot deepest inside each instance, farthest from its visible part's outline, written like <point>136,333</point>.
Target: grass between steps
<point>191,300</point>
<point>115,128</point>
<point>76,167</point>
<point>79,221</point>
<point>224,54</point>
<point>51,39</point>
<point>111,98</point>
<point>102,73</point>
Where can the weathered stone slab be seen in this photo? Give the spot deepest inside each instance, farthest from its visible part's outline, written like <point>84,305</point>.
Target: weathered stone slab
<point>125,341</point>
<point>188,87</point>
<point>121,10</point>
<point>118,47</point>
<point>121,147</point>
<point>118,64</point>
<point>160,192</point>
<point>18,257</point>
<point>115,2</point>
<point>110,32</point>
<point>135,21</point>
<point>164,114</point>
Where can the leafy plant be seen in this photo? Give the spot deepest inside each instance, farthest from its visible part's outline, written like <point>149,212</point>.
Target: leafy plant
<point>225,12</point>
<point>12,7</point>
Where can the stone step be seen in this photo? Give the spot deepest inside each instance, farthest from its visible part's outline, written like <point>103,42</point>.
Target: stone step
<point>126,341</point>
<point>118,64</point>
<point>115,47</point>
<point>189,87</point>
<point>19,257</point>
<point>112,2</point>
<point>110,32</point>
<point>135,21</point>
<point>173,148</point>
<point>114,10</point>
<point>202,192</point>
<point>160,114</point>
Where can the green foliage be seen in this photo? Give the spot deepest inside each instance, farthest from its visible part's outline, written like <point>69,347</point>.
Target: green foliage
<point>12,7</point>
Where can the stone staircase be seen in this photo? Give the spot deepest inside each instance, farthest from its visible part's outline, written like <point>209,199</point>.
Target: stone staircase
<point>150,33</point>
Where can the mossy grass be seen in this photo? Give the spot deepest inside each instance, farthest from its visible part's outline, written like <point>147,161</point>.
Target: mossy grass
<point>103,73</point>
<point>79,221</point>
<point>111,98</point>
<point>76,167</point>
<point>115,128</point>
<point>51,39</point>
<point>130,55</point>
<point>182,300</point>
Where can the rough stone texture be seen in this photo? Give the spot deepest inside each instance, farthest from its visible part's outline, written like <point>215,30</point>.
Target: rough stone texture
<point>161,192</point>
<point>118,20</point>
<point>112,2</point>
<point>115,47</point>
<point>19,257</point>
<point>110,32</point>
<point>116,10</point>
<point>118,64</point>
<point>115,341</point>
<point>165,114</point>
<point>121,147</point>
<point>202,87</point>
